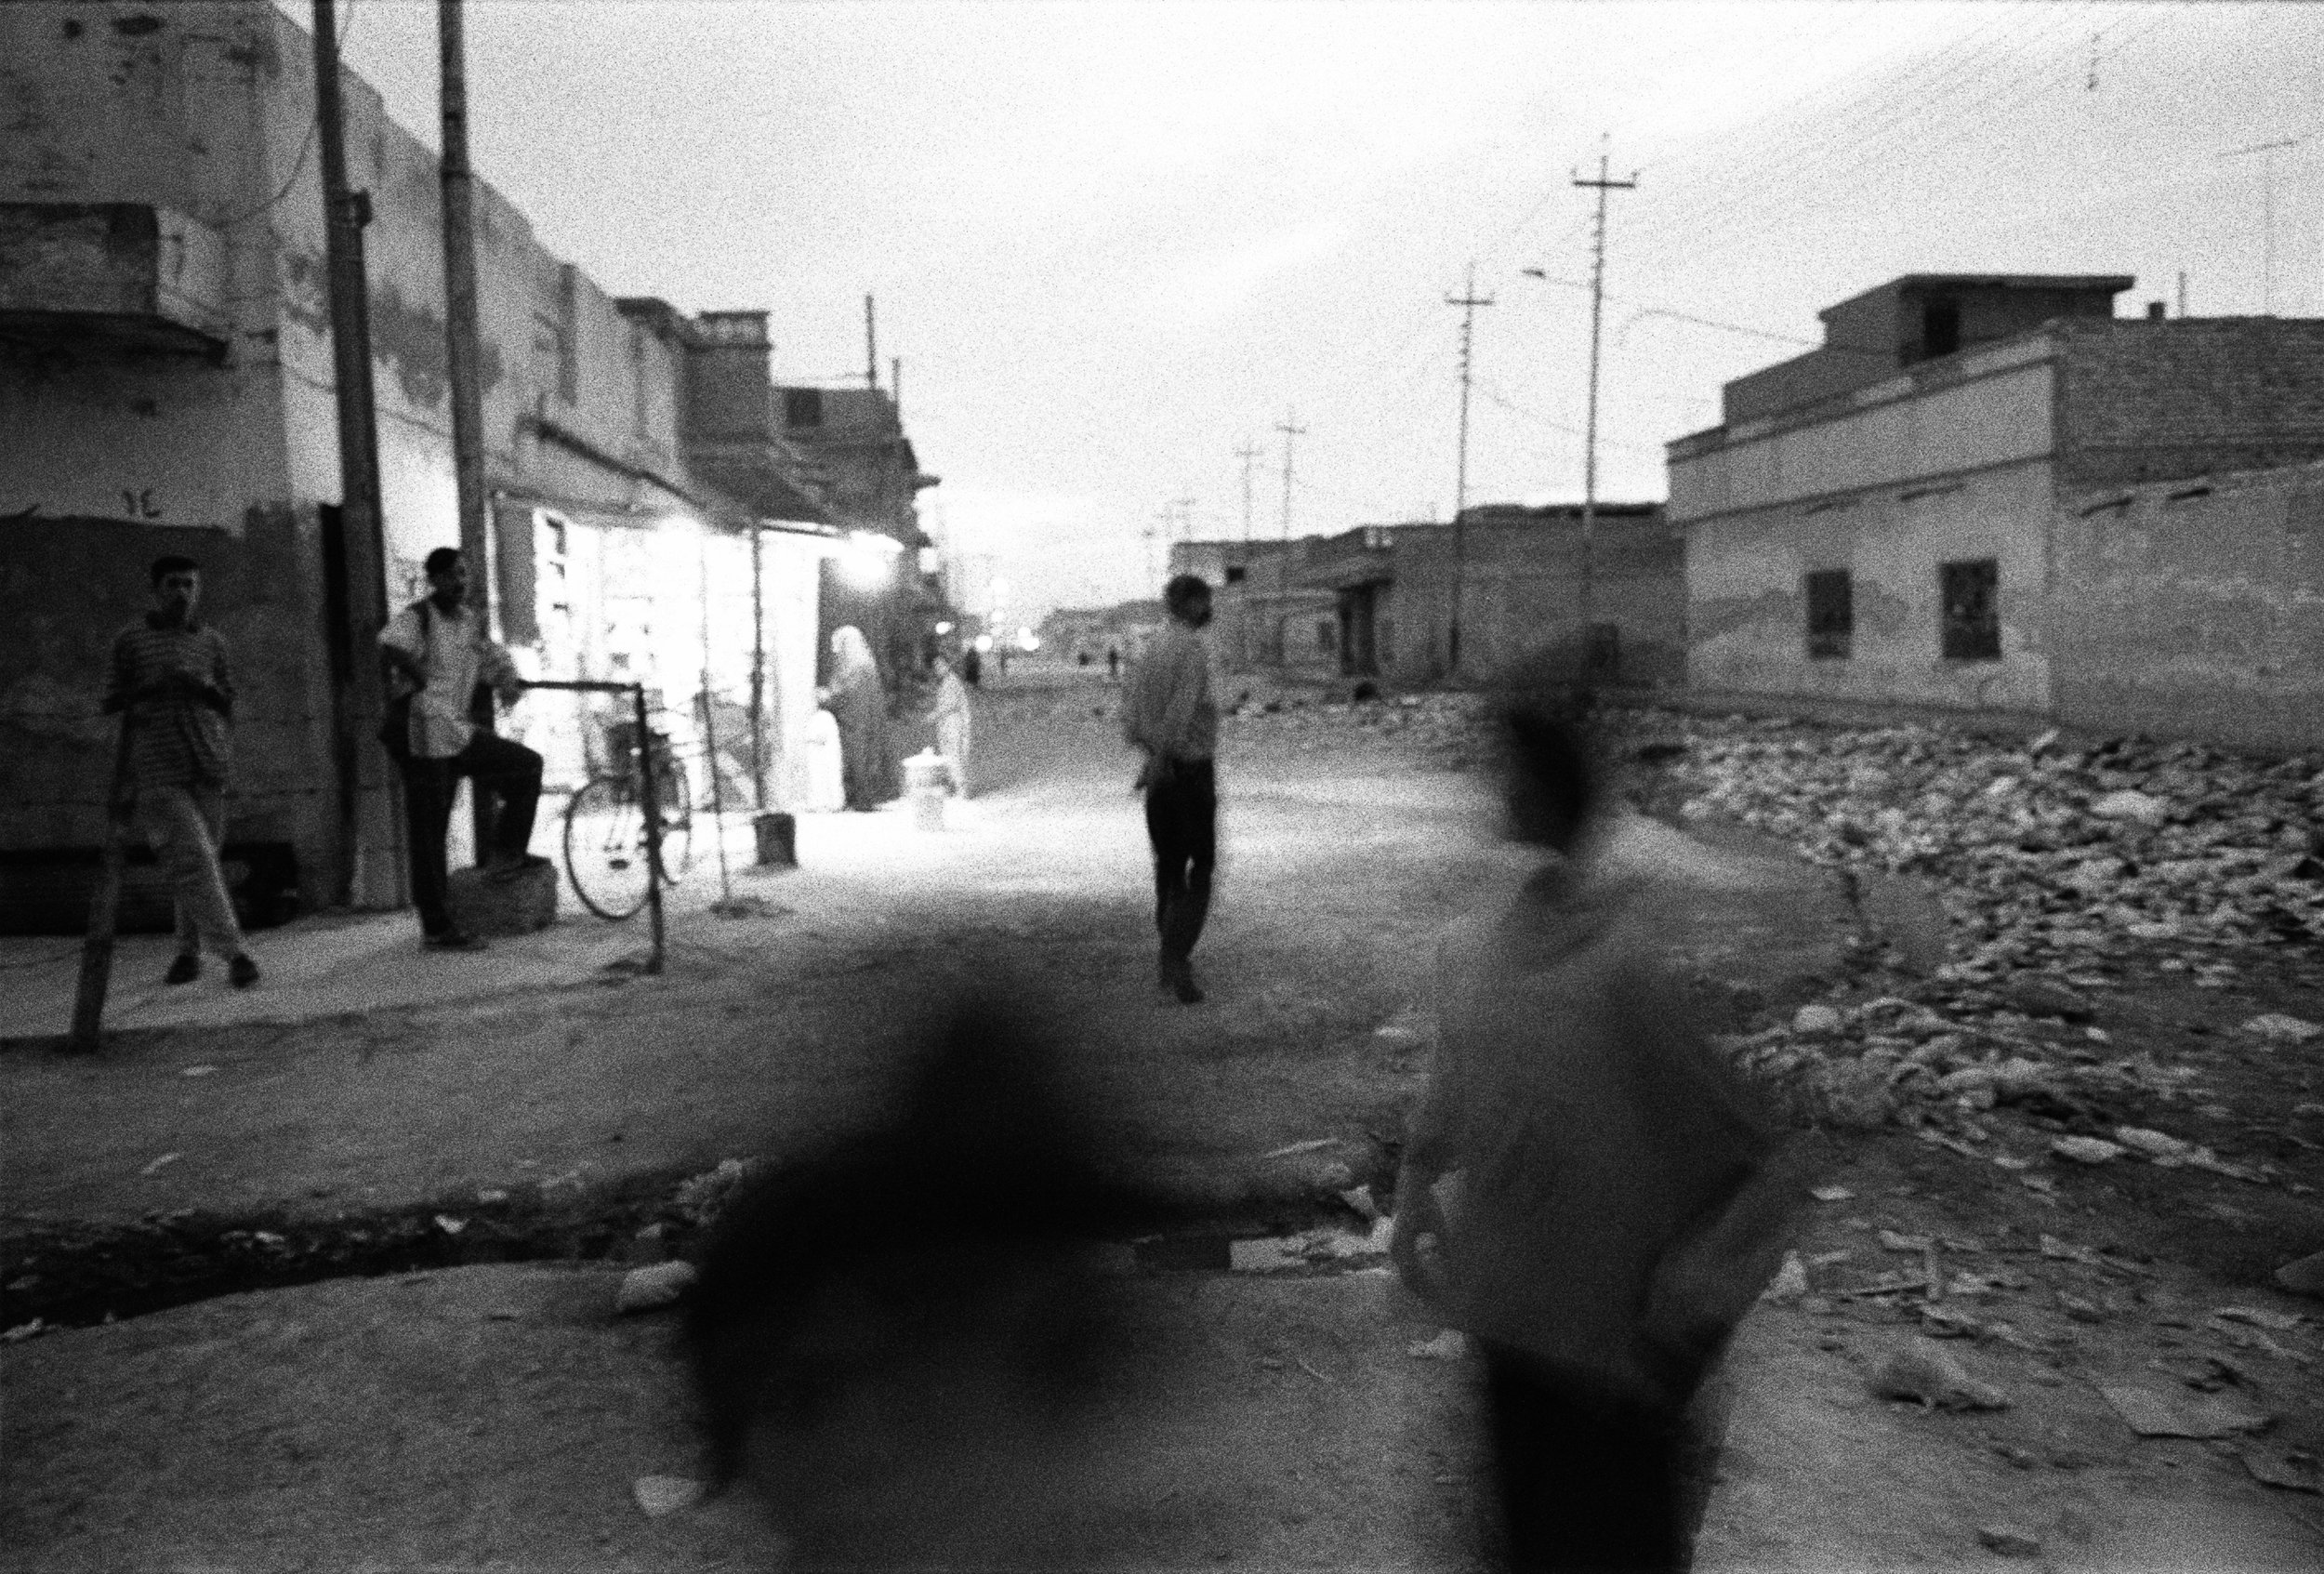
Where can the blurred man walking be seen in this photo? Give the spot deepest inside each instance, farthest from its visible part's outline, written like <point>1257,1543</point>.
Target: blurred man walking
<point>1169,712</point>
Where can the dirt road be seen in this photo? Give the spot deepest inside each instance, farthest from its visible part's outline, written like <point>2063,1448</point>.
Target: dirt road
<point>497,1415</point>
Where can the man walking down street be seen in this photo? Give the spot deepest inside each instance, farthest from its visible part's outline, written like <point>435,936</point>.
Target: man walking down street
<point>170,683</point>
<point>1169,712</point>
<point>438,652</point>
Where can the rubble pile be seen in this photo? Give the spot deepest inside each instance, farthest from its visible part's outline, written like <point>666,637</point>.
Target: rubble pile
<point>1442,727</point>
<point>2045,857</point>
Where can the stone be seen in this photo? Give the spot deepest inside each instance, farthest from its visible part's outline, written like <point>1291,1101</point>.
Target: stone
<point>2291,1469</point>
<point>2131,804</point>
<point>1924,1370</point>
<point>1270,1255</point>
<point>2008,1540</point>
<point>2040,997</point>
<point>497,902</point>
<point>661,1495</point>
<point>2273,1027</point>
<point>2086,1150</point>
<point>1449,1345</point>
<point>2304,1276</point>
<point>2154,1144</point>
<point>1790,1286</point>
<point>648,1289</point>
<point>1816,1019</point>
<point>2153,1412</point>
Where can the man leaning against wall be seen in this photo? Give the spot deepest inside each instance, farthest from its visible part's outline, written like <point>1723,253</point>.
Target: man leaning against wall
<point>171,686</point>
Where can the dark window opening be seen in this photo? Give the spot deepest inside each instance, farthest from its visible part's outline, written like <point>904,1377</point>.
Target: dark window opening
<point>1326,636</point>
<point>1940,329</point>
<point>1602,652</point>
<point>1972,602</point>
<point>1831,615</point>
<point>1235,572</point>
<point>802,406</point>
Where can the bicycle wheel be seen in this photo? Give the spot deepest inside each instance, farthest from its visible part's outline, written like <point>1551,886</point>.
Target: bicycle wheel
<point>676,807</point>
<point>605,850</point>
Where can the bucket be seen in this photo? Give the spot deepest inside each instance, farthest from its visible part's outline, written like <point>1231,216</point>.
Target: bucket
<point>926,782</point>
<point>778,845</point>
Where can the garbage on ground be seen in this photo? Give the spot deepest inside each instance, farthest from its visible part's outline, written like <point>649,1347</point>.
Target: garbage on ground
<point>2273,1027</point>
<point>700,1198</point>
<point>1449,1345</point>
<point>647,1290</point>
<point>1790,1285</point>
<point>2008,1540</point>
<point>2086,1150</point>
<point>661,1495</point>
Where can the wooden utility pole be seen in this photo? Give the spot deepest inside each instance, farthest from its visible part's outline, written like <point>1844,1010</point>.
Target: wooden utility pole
<point>459,307</point>
<point>871,346</point>
<point>1468,300</point>
<point>1589,437</point>
<point>360,550</point>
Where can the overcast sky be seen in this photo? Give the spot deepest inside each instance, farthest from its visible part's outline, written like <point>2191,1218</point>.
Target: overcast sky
<point>1114,243</point>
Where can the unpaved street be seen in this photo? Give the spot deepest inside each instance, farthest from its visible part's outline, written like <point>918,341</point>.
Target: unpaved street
<point>496,1414</point>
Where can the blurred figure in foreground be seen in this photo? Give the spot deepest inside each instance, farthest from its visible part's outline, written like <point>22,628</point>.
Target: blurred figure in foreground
<point>908,1344</point>
<point>1585,1189</point>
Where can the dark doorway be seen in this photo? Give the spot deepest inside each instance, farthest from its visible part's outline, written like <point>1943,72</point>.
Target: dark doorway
<point>1359,641</point>
<point>1940,329</point>
<point>1971,596</point>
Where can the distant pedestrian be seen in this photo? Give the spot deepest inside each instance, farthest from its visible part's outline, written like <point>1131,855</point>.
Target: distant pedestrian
<point>1169,712</point>
<point>1113,662</point>
<point>972,665</point>
<point>1585,1189</point>
<point>172,689</point>
<point>954,728</point>
<point>438,653</point>
<point>858,701</point>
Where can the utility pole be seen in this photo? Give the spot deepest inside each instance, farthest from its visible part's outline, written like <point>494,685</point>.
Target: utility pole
<point>895,384</point>
<point>1589,437</point>
<point>2268,210</point>
<point>1291,429</point>
<point>1468,300</point>
<point>871,346</point>
<point>1184,510</point>
<point>2182,292</point>
<point>461,344</point>
<point>359,553</point>
<point>1248,454</point>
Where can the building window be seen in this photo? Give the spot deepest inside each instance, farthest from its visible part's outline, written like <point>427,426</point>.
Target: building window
<point>802,406</point>
<point>1326,636</point>
<point>1601,652</point>
<point>1971,599</point>
<point>1831,615</point>
<point>1235,572</point>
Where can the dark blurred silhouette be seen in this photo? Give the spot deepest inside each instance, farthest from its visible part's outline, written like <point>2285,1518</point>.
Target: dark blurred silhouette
<point>906,1343</point>
<point>1586,1189</point>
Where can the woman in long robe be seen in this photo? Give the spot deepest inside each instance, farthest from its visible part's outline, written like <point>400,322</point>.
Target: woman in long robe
<point>859,703</point>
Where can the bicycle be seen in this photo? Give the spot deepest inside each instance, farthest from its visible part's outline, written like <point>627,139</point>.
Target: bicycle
<point>606,847</point>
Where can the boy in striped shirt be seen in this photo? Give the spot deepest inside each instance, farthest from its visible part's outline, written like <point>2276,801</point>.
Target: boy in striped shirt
<point>170,686</point>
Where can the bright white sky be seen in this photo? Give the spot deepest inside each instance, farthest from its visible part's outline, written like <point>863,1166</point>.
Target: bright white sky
<point>1113,242</point>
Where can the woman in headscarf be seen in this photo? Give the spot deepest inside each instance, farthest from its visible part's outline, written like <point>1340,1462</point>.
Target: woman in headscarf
<point>953,725</point>
<point>859,703</point>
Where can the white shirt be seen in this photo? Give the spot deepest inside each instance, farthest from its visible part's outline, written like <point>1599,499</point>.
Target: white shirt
<point>457,654</point>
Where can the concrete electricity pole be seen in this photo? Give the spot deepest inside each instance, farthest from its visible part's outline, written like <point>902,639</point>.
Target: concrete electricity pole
<point>871,346</point>
<point>1248,454</point>
<point>460,306</point>
<point>1183,509</point>
<point>1468,300</point>
<point>1291,429</point>
<point>1589,437</point>
<point>2267,215</point>
<point>361,698</point>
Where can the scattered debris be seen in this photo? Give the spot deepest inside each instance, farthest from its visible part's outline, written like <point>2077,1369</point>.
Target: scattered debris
<point>646,1289</point>
<point>1449,1345</point>
<point>2280,1322</point>
<point>1816,1019</point>
<point>450,1226</point>
<point>700,1198</point>
<point>2153,1412</point>
<point>1271,1254</point>
<point>156,1166</point>
<point>23,1332</point>
<point>2291,1469</point>
<point>198,1071</point>
<point>2304,1277</point>
<point>661,1495</point>
<point>2273,1027</point>
<point>1831,1194</point>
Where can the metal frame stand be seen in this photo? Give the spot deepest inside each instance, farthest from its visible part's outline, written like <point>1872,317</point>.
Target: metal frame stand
<point>645,788</point>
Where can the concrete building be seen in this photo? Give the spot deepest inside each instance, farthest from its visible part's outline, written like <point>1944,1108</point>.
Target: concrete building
<point>167,385</point>
<point>1378,601</point>
<point>1895,515</point>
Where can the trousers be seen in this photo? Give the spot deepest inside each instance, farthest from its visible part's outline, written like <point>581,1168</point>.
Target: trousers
<point>1183,824</point>
<point>510,771</point>
<point>186,825</point>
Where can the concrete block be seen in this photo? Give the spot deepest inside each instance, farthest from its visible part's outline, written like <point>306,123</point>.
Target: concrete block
<point>519,903</point>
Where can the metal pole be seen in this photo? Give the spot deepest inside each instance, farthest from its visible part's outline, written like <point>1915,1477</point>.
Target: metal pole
<point>1589,437</point>
<point>652,825</point>
<point>1468,300</point>
<point>460,344</point>
<point>757,668</point>
<point>710,728</point>
<point>362,698</point>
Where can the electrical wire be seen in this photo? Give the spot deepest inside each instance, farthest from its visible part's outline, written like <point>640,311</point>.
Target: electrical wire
<point>306,145</point>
